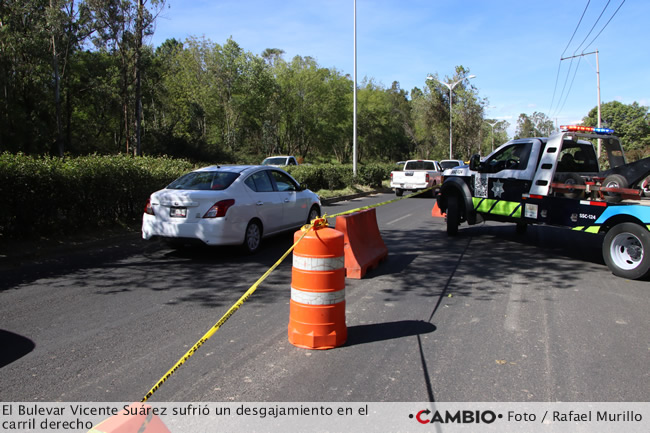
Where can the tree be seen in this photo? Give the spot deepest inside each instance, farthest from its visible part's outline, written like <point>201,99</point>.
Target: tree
<point>25,64</point>
<point>631,124</point>
<point>536,125</point>
<point>69,26</point>
<point>120,27</point>
<point>272,55</point>
<point>494,133</point>
<point>467,111</point>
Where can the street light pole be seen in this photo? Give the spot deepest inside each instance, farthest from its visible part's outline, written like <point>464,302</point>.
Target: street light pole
<point>492,125</point>
<point>354,116</point>
<point>451,88</point>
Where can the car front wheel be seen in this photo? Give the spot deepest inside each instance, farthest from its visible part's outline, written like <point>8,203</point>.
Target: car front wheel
<point>253,237</point>
<point>453,215</point>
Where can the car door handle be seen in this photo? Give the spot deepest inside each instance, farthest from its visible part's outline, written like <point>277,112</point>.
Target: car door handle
<point>259,203</point>
<point>286,200</point>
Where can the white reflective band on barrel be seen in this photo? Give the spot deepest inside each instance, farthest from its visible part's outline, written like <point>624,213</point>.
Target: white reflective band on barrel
<point>317,298</point>
<point>318,263</point>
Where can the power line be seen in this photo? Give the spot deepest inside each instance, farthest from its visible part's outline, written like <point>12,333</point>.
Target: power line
<point>576,29</point>
<point>566,80</point>
<point>583,52</point>
<point>606,24</point>
<point>570,86</point>
<point>559,66</point>
<point>594,26</point>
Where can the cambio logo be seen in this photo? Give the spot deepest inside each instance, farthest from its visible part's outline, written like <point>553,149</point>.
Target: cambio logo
<point>459,417</point>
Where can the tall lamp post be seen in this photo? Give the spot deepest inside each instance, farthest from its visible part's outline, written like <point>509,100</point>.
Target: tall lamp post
<point>451,88</point>
<point>354,103</point>
<point>492,125</point>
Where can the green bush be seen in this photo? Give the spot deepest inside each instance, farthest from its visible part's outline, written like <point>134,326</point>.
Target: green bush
<point>45,195</point>
<point>338,176</point>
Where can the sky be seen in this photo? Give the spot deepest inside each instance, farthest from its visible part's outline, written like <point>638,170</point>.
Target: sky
<point>513,47</point>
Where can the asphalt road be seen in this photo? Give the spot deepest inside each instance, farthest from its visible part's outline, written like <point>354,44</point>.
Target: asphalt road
<point>486,316</point>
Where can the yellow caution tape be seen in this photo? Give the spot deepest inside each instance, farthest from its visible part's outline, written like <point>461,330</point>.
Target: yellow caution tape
<point>315,224</point>
<point>378,204</point>
<point>221,321</point>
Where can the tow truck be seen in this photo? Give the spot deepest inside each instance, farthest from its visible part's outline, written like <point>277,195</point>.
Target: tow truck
<point>557,181</point>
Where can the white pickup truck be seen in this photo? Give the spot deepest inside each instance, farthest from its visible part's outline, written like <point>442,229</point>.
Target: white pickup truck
<point>417,174</point>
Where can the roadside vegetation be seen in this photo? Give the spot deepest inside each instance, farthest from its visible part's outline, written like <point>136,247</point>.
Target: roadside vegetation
<point>51,195</point>
<point>78,78</point>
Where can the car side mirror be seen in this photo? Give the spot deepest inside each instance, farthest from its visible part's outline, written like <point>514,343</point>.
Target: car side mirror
<point>302,187</point>
<point>475,162</point>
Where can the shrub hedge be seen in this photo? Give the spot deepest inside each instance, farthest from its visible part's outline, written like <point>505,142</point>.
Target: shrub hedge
<point>45,195</point>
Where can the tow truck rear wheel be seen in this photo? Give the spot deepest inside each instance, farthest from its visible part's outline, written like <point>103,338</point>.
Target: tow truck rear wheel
<point>626,250</point>
<point>453,219</point>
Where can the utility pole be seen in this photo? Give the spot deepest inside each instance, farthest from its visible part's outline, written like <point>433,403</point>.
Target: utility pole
<point>354,117</point>
<point>597,85</point>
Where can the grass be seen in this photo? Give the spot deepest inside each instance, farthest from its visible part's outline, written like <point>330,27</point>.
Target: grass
<point>356,189</point>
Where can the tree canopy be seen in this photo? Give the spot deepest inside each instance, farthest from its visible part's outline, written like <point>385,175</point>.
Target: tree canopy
<point>631,124</point>
<point>78,77</point>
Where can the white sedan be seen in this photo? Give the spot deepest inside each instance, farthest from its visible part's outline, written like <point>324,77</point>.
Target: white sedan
<point>229,205</point>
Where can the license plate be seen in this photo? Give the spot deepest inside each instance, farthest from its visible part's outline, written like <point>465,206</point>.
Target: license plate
<point>408,186</point>
<point>178,212</point>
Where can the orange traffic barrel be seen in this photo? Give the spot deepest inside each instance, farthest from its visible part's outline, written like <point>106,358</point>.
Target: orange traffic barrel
<point>317,307</point>
<point>134,418</point>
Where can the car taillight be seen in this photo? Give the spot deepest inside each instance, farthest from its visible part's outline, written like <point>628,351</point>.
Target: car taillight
<point>147,208</point>
<point>428,177</point>
<point>391,176</point>
<point>219,209</point>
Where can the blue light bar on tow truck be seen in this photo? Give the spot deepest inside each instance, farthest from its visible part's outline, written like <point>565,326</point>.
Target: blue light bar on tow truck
<point>578,128</point>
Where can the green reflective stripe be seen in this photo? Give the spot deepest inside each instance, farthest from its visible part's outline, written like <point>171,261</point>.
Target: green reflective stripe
<point>483,204</point>
<point>516,213</point>
<point>504,208</point>
<point>590,229</point>
<point>497,207</point>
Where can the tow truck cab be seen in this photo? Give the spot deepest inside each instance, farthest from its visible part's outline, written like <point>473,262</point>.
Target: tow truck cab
<point>556,181</point>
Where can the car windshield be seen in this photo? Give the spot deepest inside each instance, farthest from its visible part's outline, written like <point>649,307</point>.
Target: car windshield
<point>420,165</point>
<point>275,161</point>
<point>205,180</point>
<point>449,164</point>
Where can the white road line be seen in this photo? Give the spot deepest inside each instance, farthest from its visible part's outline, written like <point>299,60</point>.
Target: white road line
<point>513,308</point>
<point>398,219</point>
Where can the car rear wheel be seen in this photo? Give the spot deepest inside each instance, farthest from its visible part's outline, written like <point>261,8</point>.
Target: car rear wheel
<point>399,192</point>
<point>452,215</point>
<point>253,237</point>
<point>626,250</point>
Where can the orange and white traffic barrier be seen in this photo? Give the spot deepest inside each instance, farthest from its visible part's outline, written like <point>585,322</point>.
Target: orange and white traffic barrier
<point>137,417</point>
<point>364,247</point>
<point>317,307</point>
<point>435,212</point>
